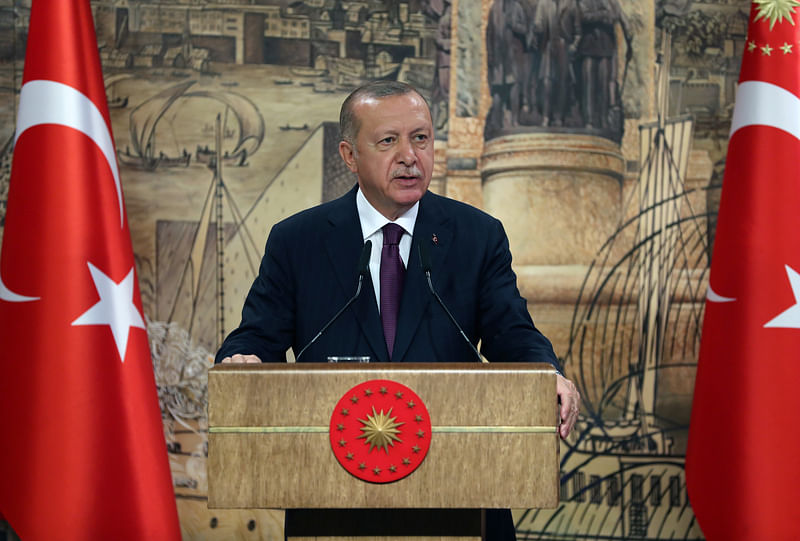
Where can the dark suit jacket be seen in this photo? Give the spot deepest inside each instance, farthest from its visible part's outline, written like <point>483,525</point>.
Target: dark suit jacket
<point>309,271</point>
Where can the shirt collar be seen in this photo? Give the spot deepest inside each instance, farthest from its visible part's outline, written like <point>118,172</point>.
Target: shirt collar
<point>372,220</point>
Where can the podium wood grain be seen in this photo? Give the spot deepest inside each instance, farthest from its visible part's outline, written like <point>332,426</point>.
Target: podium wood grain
<point>473,468</point>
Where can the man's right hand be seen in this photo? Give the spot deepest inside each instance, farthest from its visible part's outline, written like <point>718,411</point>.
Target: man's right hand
<point>239,358</point>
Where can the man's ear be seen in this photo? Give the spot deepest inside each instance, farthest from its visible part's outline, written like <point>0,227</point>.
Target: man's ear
<point>348,154</point>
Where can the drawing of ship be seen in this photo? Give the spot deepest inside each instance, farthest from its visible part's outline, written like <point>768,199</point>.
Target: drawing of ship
<point>143,122</point>
<point>250,127</point>
<point>307,71</point>
<point>638,319</point>
<point>353,72</point>
<point>288,127</point>
<point>216,256</point>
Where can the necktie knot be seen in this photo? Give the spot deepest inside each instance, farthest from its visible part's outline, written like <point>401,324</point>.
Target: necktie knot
<point>392,234</point>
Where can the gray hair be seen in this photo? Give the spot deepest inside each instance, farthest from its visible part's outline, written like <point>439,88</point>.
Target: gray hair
<point>349,123</point>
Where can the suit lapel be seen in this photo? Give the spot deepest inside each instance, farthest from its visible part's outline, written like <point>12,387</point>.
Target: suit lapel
<point>431,223</point>
<point>343,244</point>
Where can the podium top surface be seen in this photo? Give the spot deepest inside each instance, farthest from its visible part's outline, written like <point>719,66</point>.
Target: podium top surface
<point>388,367</point>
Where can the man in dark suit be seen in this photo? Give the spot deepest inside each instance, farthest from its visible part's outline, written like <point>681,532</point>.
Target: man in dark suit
<point>310,267</point>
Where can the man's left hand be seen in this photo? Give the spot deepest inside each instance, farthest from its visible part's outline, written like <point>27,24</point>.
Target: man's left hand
<point>570,400</point>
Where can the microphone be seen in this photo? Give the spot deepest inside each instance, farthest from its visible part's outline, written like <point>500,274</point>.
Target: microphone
<point>425,261</point>
<point>363,263</point>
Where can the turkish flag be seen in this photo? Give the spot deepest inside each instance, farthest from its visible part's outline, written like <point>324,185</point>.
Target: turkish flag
<point>743,457</point>
<point>83,454</point>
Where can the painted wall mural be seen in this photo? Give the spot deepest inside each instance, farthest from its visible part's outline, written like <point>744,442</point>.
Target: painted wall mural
<point>595,129</point>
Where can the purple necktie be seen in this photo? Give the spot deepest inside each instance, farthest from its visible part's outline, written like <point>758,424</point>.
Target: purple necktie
<point>392,276</point>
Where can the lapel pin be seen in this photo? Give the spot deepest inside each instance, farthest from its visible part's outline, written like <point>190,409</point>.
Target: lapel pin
<point>435,239</point>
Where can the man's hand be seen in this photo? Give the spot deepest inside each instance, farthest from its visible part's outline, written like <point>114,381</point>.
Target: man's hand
<point>570,400</point>
<point>239,358</point>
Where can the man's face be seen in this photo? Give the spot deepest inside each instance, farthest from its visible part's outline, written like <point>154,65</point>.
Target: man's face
<point>393,154</point>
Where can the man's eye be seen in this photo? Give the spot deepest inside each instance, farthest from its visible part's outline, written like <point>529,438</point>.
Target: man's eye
<point>421,137</point>
<point>386,140</point>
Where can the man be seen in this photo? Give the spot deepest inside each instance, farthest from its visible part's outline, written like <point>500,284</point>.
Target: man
<point>309,269</point>
<point>440,11</point>
<point>558,30</point>
<point>597,52</point>
<point>507,40</point>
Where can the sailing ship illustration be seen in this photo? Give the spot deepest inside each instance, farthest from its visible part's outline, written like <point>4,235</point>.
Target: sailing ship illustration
<point>248,119</point>
<point>307,71</point>
<point>353,72</point>
<point>143,121</point>
<point>638,316</point>
<point>289,127</point>
<point>145,118</point>
<point>216,257</point>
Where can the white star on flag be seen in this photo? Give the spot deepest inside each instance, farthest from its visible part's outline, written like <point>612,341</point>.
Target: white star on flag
<point>115,308</point>
<point>790,318</point>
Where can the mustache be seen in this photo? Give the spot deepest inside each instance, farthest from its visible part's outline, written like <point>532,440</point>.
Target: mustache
<point>412,171</point>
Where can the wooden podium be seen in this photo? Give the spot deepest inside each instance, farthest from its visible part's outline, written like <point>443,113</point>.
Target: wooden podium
<point>493,441</point>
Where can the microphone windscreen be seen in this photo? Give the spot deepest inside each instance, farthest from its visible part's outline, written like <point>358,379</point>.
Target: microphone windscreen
<point>363,261</point>
<point>424,258</point>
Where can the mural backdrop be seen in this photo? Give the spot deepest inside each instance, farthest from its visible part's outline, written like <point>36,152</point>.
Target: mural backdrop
<point>595,129</point>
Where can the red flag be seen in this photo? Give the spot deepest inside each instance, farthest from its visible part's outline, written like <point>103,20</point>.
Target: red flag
<point>83,454</point>
<point>743,457</point>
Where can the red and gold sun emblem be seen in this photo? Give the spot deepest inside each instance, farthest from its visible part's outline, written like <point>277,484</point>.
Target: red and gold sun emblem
<point>380,431</point>
<point>776,11</point>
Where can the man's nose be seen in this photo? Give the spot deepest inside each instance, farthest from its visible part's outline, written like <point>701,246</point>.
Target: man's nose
<point>405,152</point>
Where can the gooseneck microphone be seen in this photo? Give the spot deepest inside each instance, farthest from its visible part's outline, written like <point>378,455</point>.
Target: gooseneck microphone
<point>363,263</point>
<point>425,261</point>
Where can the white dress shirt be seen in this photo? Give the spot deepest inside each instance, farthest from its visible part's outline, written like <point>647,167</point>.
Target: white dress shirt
<point>372,223</point>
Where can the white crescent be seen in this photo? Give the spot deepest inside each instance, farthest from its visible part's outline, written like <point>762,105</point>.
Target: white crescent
<point>713,296</point>
<point>49,102</point>
<point>765,104</point>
